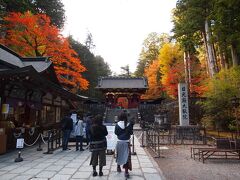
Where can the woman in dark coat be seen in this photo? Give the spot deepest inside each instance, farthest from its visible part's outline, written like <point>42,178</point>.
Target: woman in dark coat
<point>123,130</point>
<point>98,144</point>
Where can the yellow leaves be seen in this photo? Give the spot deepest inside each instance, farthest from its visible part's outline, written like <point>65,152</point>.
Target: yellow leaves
<point>151,72</point>
<point>171,67</point>
<point>165,73</point>
<point>169,54</point>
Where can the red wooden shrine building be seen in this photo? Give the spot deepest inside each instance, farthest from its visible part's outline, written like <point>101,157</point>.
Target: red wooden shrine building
<point>122,92</point>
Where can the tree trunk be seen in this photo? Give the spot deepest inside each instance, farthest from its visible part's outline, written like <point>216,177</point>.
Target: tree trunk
<point>187,66</point>
<point>206,50</point>
<point>234,54</point>
<point>215,55</point>
<point>221,48</point>
<point>211,54</point>
<point>223,61</point>
<point>189,73</point>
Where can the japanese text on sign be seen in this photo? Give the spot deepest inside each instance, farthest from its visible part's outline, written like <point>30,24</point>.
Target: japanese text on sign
<point>20,143</point>
<point>183,104</point>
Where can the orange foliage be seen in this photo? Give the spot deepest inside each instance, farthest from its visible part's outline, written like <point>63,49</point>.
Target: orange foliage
<point>198,77</point>
<point>171,67</point>
<point>152,73</point>
<point>173,76</point>
<point>173,71</point>
<point>33,35</point>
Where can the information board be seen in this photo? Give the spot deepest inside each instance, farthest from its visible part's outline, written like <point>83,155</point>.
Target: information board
<point>111,138</point>
<point>20,143</point>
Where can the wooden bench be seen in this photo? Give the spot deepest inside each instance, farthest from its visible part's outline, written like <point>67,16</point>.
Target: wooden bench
<point>214,153</point>
<point>195,151</point>
<point>219,154</point>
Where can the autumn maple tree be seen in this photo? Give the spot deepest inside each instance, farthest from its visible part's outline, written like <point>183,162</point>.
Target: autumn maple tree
<point>33,35</point>
<point>152,72</point>
<point>172,69</point>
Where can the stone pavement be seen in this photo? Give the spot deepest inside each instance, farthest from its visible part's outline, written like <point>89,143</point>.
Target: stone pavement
<point>72,165</point>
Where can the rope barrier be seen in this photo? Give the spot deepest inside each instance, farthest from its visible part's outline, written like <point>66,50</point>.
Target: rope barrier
<point>17,135</point>
<point>43,139</point>
<point>31,131</point>
<point>33,142</point>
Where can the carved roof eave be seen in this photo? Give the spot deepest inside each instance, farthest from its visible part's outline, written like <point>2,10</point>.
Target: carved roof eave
<point>37,79</point>
<point>124,90</point>
<point>122,83</point>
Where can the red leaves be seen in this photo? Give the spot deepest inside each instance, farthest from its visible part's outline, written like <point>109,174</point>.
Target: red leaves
<point>33,35</point>
<point>151,73</point>
<point>173,76</point>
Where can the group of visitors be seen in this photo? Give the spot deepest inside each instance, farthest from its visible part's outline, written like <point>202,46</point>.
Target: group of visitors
<point>98,144</point>
<point>77,129</point>
<point>96,133</point>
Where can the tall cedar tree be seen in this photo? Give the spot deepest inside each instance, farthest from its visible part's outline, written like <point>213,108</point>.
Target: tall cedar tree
<point>33,35</point>
<point>94,64</point>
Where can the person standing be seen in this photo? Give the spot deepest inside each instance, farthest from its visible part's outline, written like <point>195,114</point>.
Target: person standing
<point>88,125</point>
<point>67,127</point>
<point>123,130</point>
<point>98,144</point>
<point>79,133</point>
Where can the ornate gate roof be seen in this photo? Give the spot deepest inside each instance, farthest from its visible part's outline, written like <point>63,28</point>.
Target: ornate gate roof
<point>119,84</point>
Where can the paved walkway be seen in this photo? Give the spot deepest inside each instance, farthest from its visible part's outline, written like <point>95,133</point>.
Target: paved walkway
<point>65,165</point>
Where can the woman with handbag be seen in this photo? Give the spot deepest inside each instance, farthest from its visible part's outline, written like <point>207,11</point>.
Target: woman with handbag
<point>123,130</point>
<point>98,144</point>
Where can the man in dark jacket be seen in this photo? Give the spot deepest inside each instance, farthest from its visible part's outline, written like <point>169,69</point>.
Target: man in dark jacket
<point>67,127</point>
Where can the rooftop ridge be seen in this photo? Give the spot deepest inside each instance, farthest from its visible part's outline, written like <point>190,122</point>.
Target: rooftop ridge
<point>10,51</point>
<point>121,77</point>
<point>35,58</point>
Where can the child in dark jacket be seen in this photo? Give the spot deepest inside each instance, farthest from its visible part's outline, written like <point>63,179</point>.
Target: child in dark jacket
<point>98,144</point>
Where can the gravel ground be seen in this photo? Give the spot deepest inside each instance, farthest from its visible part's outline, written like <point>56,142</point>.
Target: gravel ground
<point>176,164</point>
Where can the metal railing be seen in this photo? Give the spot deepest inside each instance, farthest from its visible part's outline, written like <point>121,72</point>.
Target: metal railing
<point>154,137</point>
<point>54,137</point>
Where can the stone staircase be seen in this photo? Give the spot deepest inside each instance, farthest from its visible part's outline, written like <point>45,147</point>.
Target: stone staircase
<point>111,114</point>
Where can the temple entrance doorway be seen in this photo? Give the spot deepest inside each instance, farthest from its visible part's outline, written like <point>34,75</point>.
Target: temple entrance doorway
<point>122,93</point>
<point>122,102</point>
